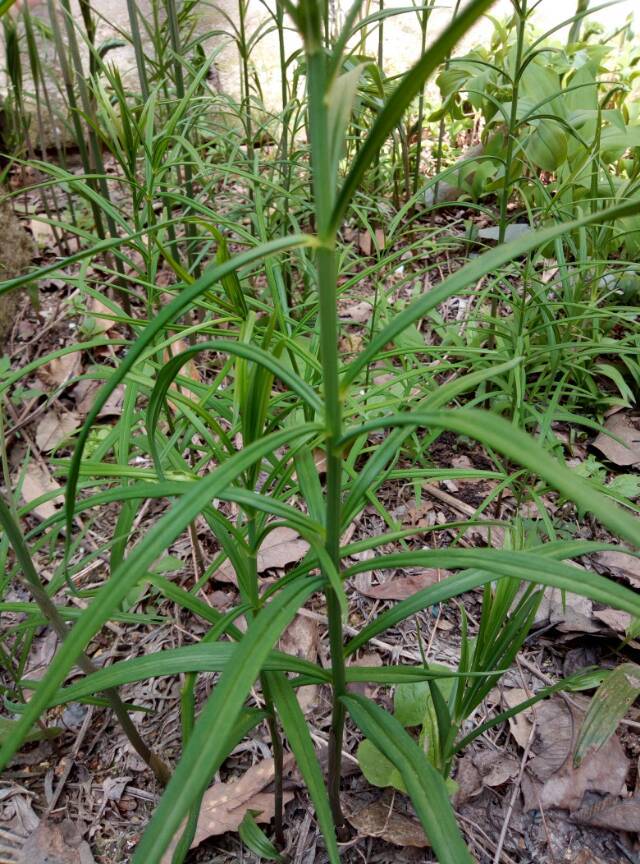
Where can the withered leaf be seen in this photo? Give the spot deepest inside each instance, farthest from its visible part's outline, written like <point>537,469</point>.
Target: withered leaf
<point>611,812</point>
<point>379,819</point>
<point>225,804</point>
<point>301,640</point>
<point>625,451</point>
<point>60,370</point>
<point>56,844</point>
<point>627,565</point>
<point>399,587</point>
<point>37,481</point>
<point>281,547</point>
<point>54,428</point>
<point>557,782</point>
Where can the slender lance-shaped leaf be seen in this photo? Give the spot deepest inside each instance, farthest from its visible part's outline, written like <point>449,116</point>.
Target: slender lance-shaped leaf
<point>400,99</point>
<point>295,728</point>
<point>516,445</point>
<point>470,274</point>
<point>489,564</point>
<point>239,349</point>
<point>165,316</point>
<point>423,783</point>
<point>207,657</point>
<point>138,562</point>
<point>206,749</point>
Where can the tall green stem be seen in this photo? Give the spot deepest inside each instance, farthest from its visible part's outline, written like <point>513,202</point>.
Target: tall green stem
<point>521,15</point>
<point>326,268</point>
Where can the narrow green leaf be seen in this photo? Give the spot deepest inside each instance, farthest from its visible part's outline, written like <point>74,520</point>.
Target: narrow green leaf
<point>206,749</point>
<point>297,732</point>
<point>255,839</point>
<point>136,566</point>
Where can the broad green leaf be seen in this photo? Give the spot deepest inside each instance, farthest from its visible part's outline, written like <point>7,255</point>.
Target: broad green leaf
<point>378,770</point>
<point>411,700</point>
<point>546,145</point>
<point>424,784</point>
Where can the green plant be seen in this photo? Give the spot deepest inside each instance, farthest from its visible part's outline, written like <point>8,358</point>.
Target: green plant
<point>280,387</point>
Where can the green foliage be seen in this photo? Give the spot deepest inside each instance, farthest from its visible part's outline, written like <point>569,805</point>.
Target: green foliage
<point>230,247</point>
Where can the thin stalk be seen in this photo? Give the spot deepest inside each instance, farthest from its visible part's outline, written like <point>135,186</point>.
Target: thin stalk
<point>442,127</point>
<point>48,609</point>
<point>521,15</point>
<point>326,270</point>
<point>424,23</point>
<point>136,38</point>
<point>174,35</point>
<point>246,86</point>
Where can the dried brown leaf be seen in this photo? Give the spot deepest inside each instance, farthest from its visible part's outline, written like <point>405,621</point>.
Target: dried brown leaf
<point>54,428</point>
<point>359,312</point>
<point>626,451</point>
<point>614,619</point>
<point>611,812</point>
<point>301,640</point>
<point>85,393</point>
<point>557,783</point>
<point>522,723</point>
<point>225,804</point>
<point>37,481</point>
<point>379,819</point>
<point>60,370</point>
<point>399,587</point>
<point>622,564</point>
<point>56,844</point>
<point>281,547</point>
<point>102,315</point>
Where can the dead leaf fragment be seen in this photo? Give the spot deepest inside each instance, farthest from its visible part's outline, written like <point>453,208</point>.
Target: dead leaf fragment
<point>379,819</point>
<point>611,812</point>
<point>520,724</point>
<point>359,312</point>
<point>626,565</point>
<point>36,482</point>
<point>399,587</point>
<point>56,844</point>
<point>55,428</point>
<point>626,451</point>
<point>225,804</point>
<point>102,316</point>
<point>300,639</point>
<point>60,370</point>
<point>554,781</point>
<point>281,547</point>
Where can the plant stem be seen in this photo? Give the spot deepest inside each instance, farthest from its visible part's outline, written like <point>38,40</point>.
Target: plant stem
<point>326,269</point>
<point>521,15</point>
